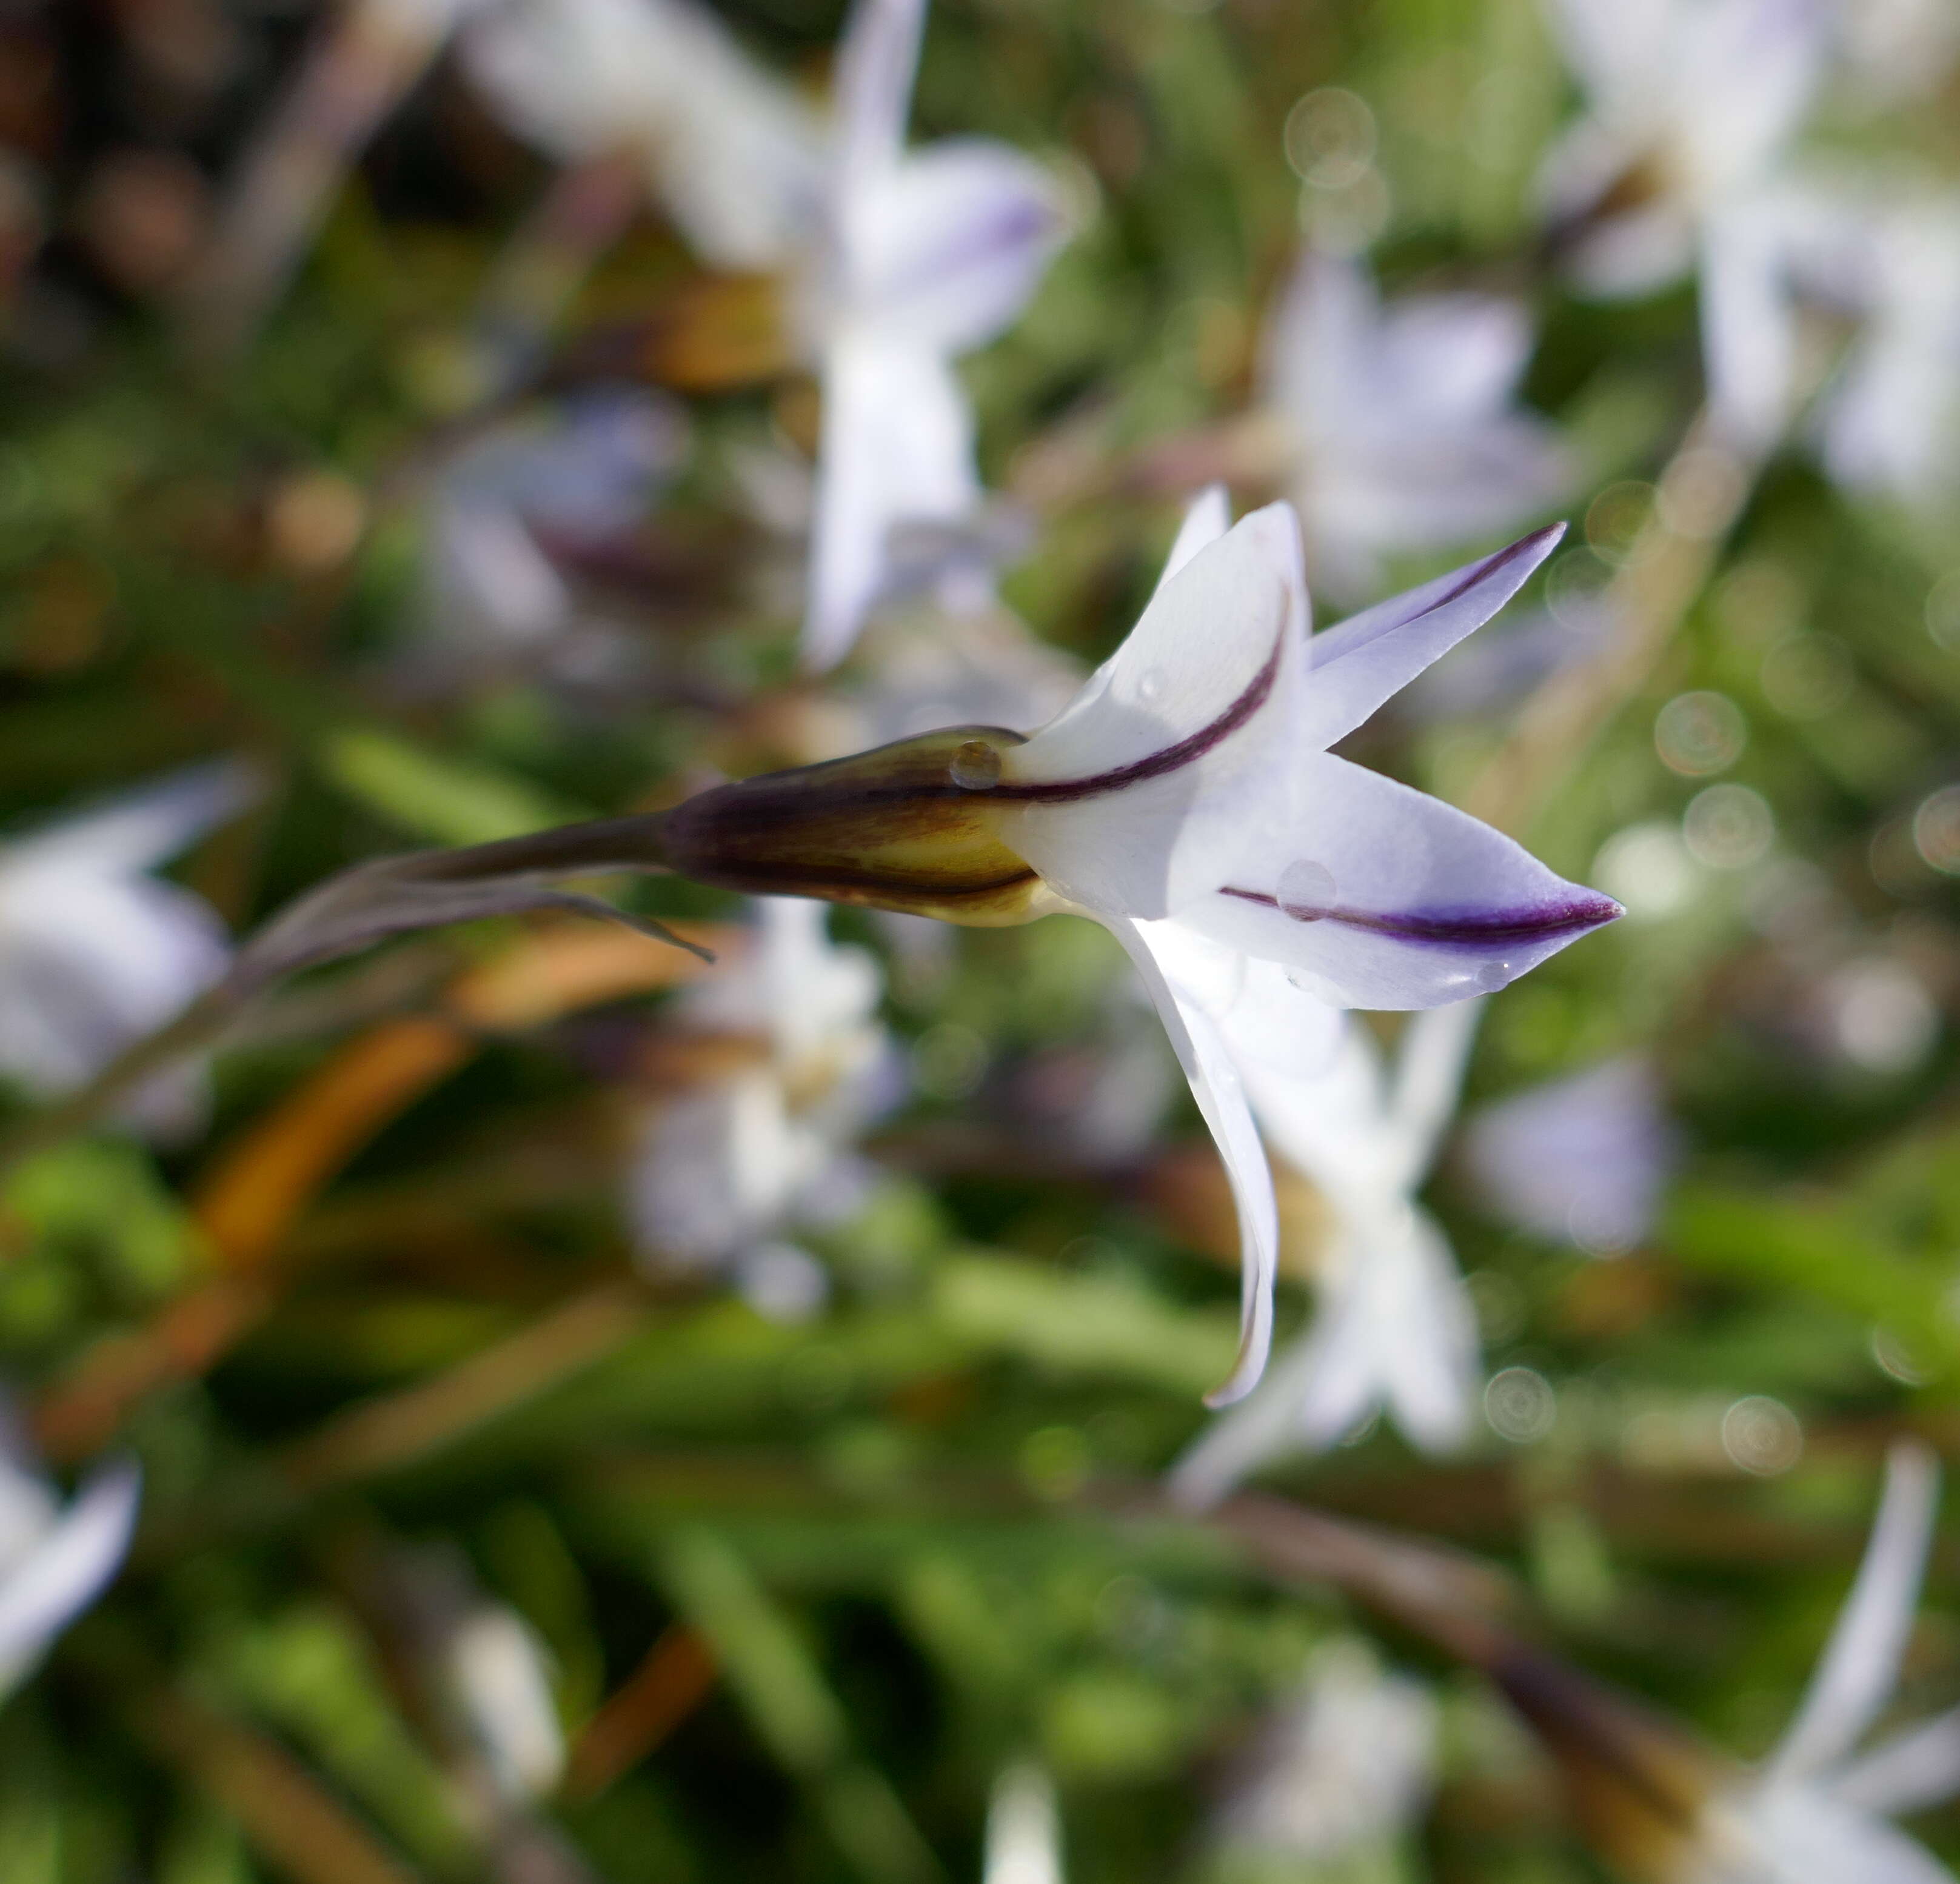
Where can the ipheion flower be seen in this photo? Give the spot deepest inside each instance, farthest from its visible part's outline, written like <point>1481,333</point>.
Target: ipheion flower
<point>1187,790</point>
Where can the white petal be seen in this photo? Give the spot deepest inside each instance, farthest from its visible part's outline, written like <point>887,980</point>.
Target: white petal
<point>1748,327</point>
<point>1220,1094</point>
<point>1747,71</point>
<point>1397,1330</point>
<point>1861,1664</point>
<point>143,828</point>
<point>1582,1160</point>
<point>88,963</point>
<point>496,1667</point>
<point>1458,357</point>
<point>1124,801</point>
<point>1207,518</point>
<point>1353,667</point>
<point>1397,900</point>
<point>897,447</point>
<point>1430,1062</point>
<point>1395,1327</point>
<point>1906,1772</point>
<point>714,1173</point>
<point>1618,52</point>
<point>1266,1021</point>
<point>1316,353</point>
<point>1023,1829</point>
<point>1801,1836</point>
<point>876,64</point>
<point>737,156</point>
<point>946,249</point>
<point>71,1566</point>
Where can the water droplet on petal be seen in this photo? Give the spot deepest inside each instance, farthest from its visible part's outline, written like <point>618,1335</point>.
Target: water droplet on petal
<point>976,766</point>
<point>1494,975</point>
<point>1306,891</point>
<point>1151,684</point>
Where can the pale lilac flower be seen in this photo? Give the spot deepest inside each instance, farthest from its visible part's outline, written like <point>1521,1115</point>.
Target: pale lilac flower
<point>1187,793</point>
<point>1023,1829</point>
<point>1692,106</point>
<point>1343,1768</point>
<point>733,154</point>
<point>491,586</point>
<point>94,951</point>
<point>1887,425</point>
<point>1396,1329</point>
<point>726,1166</point>
<point>1581,1161</point>
<point>926,255</point>
<point>1399,428</point>
<point>54,1563</point>
<point>1816,1811</point>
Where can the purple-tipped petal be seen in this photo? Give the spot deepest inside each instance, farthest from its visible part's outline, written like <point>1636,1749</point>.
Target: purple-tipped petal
<point>1378,895</point>
<point>1352,669</point>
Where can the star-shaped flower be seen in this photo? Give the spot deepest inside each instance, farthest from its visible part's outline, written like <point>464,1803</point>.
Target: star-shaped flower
<point>1580,1160</point>
<point>1398,428</point>
<point>735,157</point>
<point>926,255</point>
<point>733,1160</point>
<point>1664,1809</point>
<point>1186,790</point>
<point>94,951</point>
<point>1693,104</point>
<point>1396,1328</point>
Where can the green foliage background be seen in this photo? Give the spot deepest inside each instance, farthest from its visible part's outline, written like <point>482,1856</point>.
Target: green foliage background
<point>908,1531</point>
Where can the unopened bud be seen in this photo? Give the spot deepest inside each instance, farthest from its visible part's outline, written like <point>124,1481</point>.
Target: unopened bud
<point>911,826</point>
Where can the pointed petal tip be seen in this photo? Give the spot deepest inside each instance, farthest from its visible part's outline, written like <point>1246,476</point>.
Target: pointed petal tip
<point>1255,1346</point>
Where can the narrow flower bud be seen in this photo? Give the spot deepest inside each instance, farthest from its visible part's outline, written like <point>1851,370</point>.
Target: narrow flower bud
<point>912,826</point>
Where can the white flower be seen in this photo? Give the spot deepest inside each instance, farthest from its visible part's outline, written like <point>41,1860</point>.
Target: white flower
<point>1816,1811</point>
<point>1187,790</point>
<point>500,507</point>
<point>1346,1763</point>
<point>1693,104</point>
<point>926,256</point>
<point>1886,426</point>
<point>94,952</point>
<point>1023,1829</point>
<point>493,1666</point>
<point>734,155</point>
<point>1396,1327</point>
<point>1400,427</point>
<point>731,1161</point>
<point>54,1563</point>
<point>1580,1160</point>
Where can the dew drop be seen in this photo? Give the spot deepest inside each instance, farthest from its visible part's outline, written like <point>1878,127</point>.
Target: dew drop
<point>1306,891</point>
<point>1151,684</point>
<point>976,766</point>
<point>1494,975</point>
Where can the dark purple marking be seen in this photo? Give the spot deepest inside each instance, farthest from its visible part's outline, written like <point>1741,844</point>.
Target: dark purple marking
<point>1488,567</point>
<point>1461,932</point>
<point>1156,765</point>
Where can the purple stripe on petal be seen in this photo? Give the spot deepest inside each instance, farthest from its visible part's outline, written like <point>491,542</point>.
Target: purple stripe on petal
<point>1544,922</point>
<point>1169,760</point>
<point>1025,224</point>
